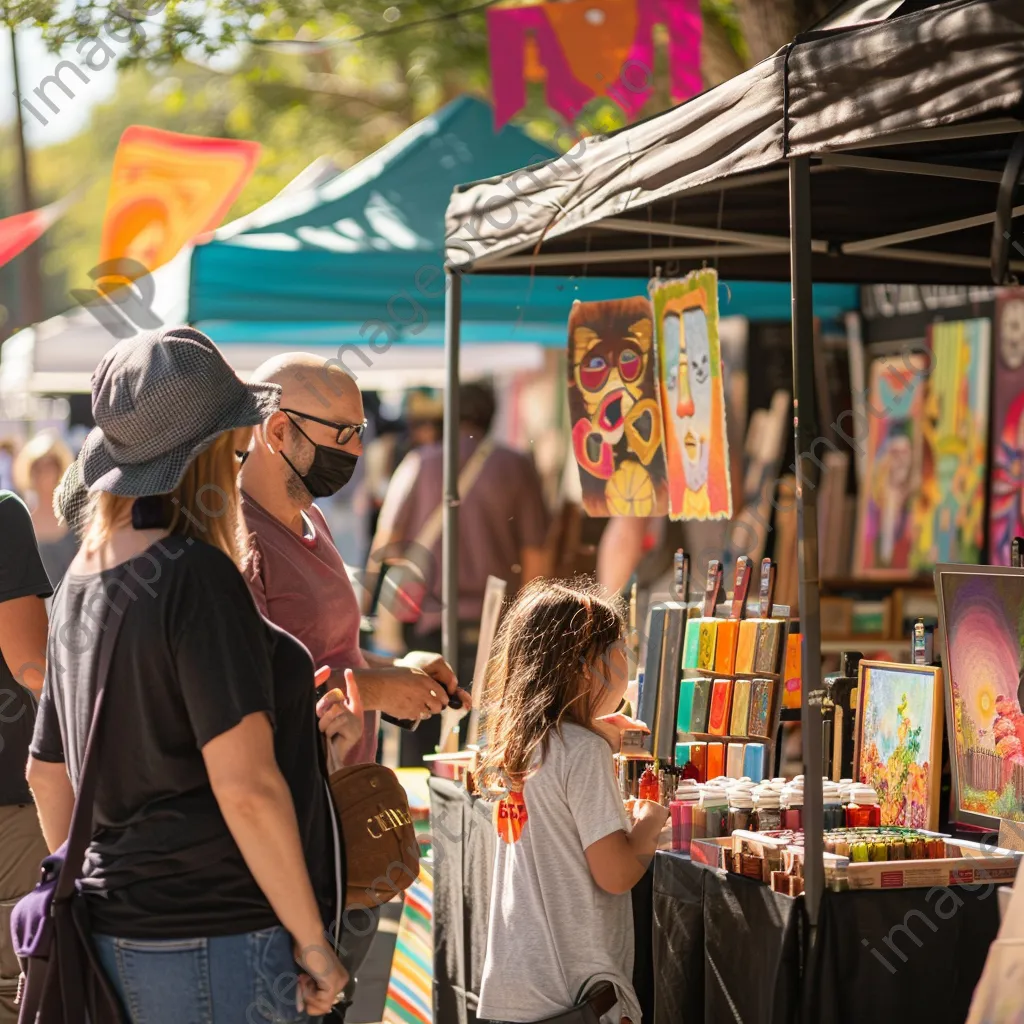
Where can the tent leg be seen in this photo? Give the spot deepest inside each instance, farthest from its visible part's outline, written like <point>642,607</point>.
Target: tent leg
<point>806,431</point>
<point>450,523</point>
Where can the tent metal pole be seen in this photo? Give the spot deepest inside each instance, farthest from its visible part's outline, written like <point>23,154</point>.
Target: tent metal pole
<point>877,163</point>
<point>450,468</point>
<point>806,436</point>
<point>971,130</point>
<point>770,243</point>
<point>640,254</point>
<point>868,245</point>
<point>942,259</point>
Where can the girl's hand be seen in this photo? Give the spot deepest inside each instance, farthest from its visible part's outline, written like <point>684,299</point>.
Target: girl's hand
<point>611,727</point>
<point>648,810</point>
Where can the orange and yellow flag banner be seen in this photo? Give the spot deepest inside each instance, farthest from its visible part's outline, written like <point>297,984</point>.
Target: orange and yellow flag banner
<point>17,233</point>
<point>167,189</point>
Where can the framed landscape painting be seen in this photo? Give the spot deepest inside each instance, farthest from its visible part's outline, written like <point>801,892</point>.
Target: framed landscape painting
<point>899,740</point>
<point>981,615</point>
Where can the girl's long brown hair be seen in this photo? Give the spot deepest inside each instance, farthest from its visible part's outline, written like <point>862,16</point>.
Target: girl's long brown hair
<point>537,676</point>
<point>205,505</point>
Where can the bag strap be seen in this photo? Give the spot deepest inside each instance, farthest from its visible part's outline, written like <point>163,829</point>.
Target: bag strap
<point>82,815</point>
<point>431,530</point>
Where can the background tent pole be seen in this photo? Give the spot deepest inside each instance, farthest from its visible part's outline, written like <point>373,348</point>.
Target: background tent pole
<point>450,523</point>
<point>806,431</point>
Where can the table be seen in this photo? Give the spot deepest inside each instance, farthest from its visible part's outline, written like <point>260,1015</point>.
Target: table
<point>727,948</point>
<point>463,838</point>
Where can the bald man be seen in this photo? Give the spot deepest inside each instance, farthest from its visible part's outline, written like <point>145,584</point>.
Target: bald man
<point>308,450</point>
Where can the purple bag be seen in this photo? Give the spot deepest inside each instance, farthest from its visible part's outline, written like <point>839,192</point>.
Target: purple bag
<point>64,982</point>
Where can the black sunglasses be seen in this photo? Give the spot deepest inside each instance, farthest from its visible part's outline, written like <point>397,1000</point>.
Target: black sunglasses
<point>346,431</point>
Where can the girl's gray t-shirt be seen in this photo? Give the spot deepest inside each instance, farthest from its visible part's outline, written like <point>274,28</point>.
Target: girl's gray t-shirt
<point>552,931</point>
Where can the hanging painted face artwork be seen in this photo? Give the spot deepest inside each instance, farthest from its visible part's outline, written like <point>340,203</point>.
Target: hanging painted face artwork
<point>892,469</point>
<point>692,396</point>
<point>1006,496</point>
<point>583,49</point>
<point>613,405</point>
<point>949,520</point>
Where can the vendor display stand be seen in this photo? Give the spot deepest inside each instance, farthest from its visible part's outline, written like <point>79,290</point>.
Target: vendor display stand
<point>843,124</point>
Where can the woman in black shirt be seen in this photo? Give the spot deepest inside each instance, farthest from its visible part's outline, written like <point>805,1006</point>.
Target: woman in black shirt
<point>212,825</point>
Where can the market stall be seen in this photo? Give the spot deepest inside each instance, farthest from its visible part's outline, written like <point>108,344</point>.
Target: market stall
<point>882,146</point>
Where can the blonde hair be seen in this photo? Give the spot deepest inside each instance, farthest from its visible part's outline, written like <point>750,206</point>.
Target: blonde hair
<point>47,444</point>
<point>206,505</point>
<point>540,674</point>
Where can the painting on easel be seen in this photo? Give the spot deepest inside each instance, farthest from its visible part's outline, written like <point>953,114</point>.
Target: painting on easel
<point>892,469</point>
<point>949,512</point>
<point>692,396</point>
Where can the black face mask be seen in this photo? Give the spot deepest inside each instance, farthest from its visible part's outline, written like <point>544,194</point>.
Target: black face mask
<point>329,471</point>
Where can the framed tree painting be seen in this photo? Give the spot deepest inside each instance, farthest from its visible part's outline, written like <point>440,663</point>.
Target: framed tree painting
<point>981,615</point>
<point>899,740</point>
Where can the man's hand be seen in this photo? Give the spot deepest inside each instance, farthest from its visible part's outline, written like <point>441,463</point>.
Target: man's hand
<point>437,668</point>
<point>341,718</point>
<point>403,693</point>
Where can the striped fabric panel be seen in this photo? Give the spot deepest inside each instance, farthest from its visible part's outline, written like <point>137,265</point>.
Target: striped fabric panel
<point>411,988</point>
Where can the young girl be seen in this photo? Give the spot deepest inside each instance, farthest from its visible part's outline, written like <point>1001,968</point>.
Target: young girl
<point>561,919</point>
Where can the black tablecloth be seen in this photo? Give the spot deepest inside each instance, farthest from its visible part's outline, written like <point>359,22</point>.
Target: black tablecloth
<point>463,839</point>
<point>726,948</point>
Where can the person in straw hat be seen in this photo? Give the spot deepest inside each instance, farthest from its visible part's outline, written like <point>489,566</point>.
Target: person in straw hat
<point>212,865</point>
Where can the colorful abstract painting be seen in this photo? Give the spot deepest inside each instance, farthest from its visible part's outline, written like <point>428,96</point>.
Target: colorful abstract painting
<point>892,471</point>
<point>693,396</point>
<point>899,740</point>
<point>949,511</point>
<point>1006,495</point>
<point>982,615</point>
<point>613,404</point>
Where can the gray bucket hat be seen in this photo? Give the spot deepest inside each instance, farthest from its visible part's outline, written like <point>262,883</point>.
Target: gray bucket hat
<point>159,399</point>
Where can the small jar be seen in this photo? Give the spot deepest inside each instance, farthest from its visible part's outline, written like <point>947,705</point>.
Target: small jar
<point>716,811</point>
<point>741,807</point>
<point>833,813</point>
<point>792,804</point>
<point>863,810</point>
<point>681,809</point>
<point>767,816</point>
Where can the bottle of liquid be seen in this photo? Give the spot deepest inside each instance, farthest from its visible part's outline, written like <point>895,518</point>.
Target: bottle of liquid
<point>833,813</point>
<point>767,815</point>
<point>863,810</point>
<point>741,808</point>
<point>793,805</point>
<point>716,811</point>
<point>681,809</point>
<point>650,788</point>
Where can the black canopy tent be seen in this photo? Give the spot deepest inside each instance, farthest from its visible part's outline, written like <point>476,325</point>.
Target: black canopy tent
<point>884,145</point>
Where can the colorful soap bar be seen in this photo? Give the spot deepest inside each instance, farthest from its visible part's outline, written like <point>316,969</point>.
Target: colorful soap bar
<point>761,693</point>
<point>792,674</point>
<point>685,713</point>
<point>753,761</point>
<point>766,654</point>
<point>706,644</point>
<point>716,760</point>
<point>721,705</point>
<point>701,705</point>
<point>691,644</point>
<point>734,761</point>
<point>683,755</point>
<point>740,717</point>
<point>745,646</point>
<point>725,646</point>
<point>699,757</point>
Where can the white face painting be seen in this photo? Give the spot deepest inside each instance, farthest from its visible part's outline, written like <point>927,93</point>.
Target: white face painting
<point>698,357</point>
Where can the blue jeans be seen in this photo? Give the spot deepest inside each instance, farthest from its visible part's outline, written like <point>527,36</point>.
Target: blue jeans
<point>230,979</point>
